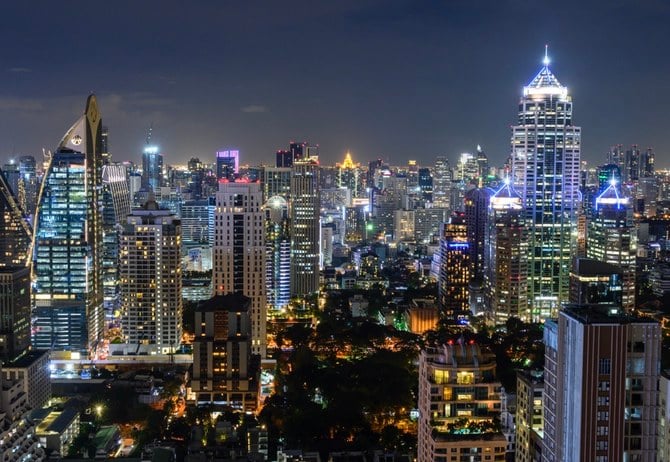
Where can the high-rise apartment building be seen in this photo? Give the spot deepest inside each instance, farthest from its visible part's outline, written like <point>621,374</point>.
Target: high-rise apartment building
<point>507,256</point>
<point>529,417</point>
<point>224,371</point>
<point>305,227</point>
<point>151,281</point>
<point>476,220</point>
<point>458,395</point>
<point>454,278</point>
<point>612,236</point>
<point>545,172</point>
<point>68,290</point>
<point>239,251</point>
<point>601,385</point>
<point>152,168</point>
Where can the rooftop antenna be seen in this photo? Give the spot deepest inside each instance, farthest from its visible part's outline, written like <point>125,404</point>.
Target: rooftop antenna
<point>151,127</point>
<point>546,60</point>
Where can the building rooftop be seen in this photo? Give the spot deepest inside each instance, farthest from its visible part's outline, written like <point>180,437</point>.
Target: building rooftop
<point>591,267</point>
<point>604,314</point>
<point>228,302</point>
<point>26,360</point>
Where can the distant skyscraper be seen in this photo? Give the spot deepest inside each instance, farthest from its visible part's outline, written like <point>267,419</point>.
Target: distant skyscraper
<point>425,183</point>
<point>12,176</point>
<point>476,220</point>
<point>278,244</point>
<point>454,278</point>
<point>151,280</point>
<point>545,171</point>
<point>227,164</point>
<point>594,282</point>
<point>14,311</point>
<point>305,227</point>
<point>115,209</point>
<point>152,168</point>
<point>348,176</point>
<point>442,177</point>
<point>15,230</point>
<point>68,290</point>
<point>507,256</point>
<point>601,385</point>
<point>239,251</point>
<point>277,182</point>
<point>612,236</point>
<point>29,185</point>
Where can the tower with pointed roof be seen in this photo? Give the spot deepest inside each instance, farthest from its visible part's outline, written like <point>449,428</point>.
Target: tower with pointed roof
<point>68,289</point>
<point>545,171</point>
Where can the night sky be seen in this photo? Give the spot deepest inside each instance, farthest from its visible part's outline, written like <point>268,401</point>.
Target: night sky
<point>397,79</point>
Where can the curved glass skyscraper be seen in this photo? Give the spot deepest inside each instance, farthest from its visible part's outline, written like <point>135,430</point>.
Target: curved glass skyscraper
<point>545,168</point>
<point>68,292</point>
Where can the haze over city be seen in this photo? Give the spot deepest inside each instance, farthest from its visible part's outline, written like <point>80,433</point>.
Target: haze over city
<point>393,79</point>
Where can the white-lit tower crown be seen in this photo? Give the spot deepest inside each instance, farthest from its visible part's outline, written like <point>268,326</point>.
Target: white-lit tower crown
<point>545,168</point>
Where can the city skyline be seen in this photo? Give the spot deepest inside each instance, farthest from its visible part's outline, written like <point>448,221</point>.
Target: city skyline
<point>213,77</point>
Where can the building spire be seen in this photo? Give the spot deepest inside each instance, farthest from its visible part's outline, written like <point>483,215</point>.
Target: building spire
<point>546,59</point>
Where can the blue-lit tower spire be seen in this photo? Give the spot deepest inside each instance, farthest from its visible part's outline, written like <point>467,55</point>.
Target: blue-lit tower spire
<point>545,168</point>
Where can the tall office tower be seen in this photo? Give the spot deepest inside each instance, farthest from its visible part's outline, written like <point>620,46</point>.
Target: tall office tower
<point>68,291</point>
<point>529,418</point>
<point>278,254</point>
<point>616,155</point>
<point>305,227</point>
<point>601,385</point>
<point>507,256</point>
<point>348,176</point>
<point>152,168</point>
<point>482,165</point>
<point>284,159</point>
<point>612,236</point>
<point>224,371</point>
<point>476,221</point>
<point>646,164</point>
<point>197,171</point>
<point>277,182</point>
<point>115,209</point>
<point>594,282</point>
<point>239,251</point>
<point>151,301</point>
<point>467,169</point>
<point>390,199</point>
<point>28,171</point>
<point>197,232</point>
<point>454,278</point>
<point>426,184</point>
<point>442,178</point>
<point>14,311</point>
<point>458,395</point>
<point>427,224</point>
<point>15,230</point>
<point>545,171</point>
<point>12,176</point>
<point>631,165</point>
<point>104,145</point>
<point>227,164</point>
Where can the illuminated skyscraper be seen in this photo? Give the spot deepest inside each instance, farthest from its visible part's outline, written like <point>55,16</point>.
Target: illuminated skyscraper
<point>151,280</point>
<point>305,227</point>
<point>278,244</point>
<point>454,277</point>
<point>349,176</point>
<point>28,185</point>
<point>507,256</point>
<point>612,236</point>
<point>68,290</point>
<point>15,230</point>
<point>545,171</point>
<point>442,177</point>
<point>227,164</point>
<point>152,168</point>
<point>239,251</point>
